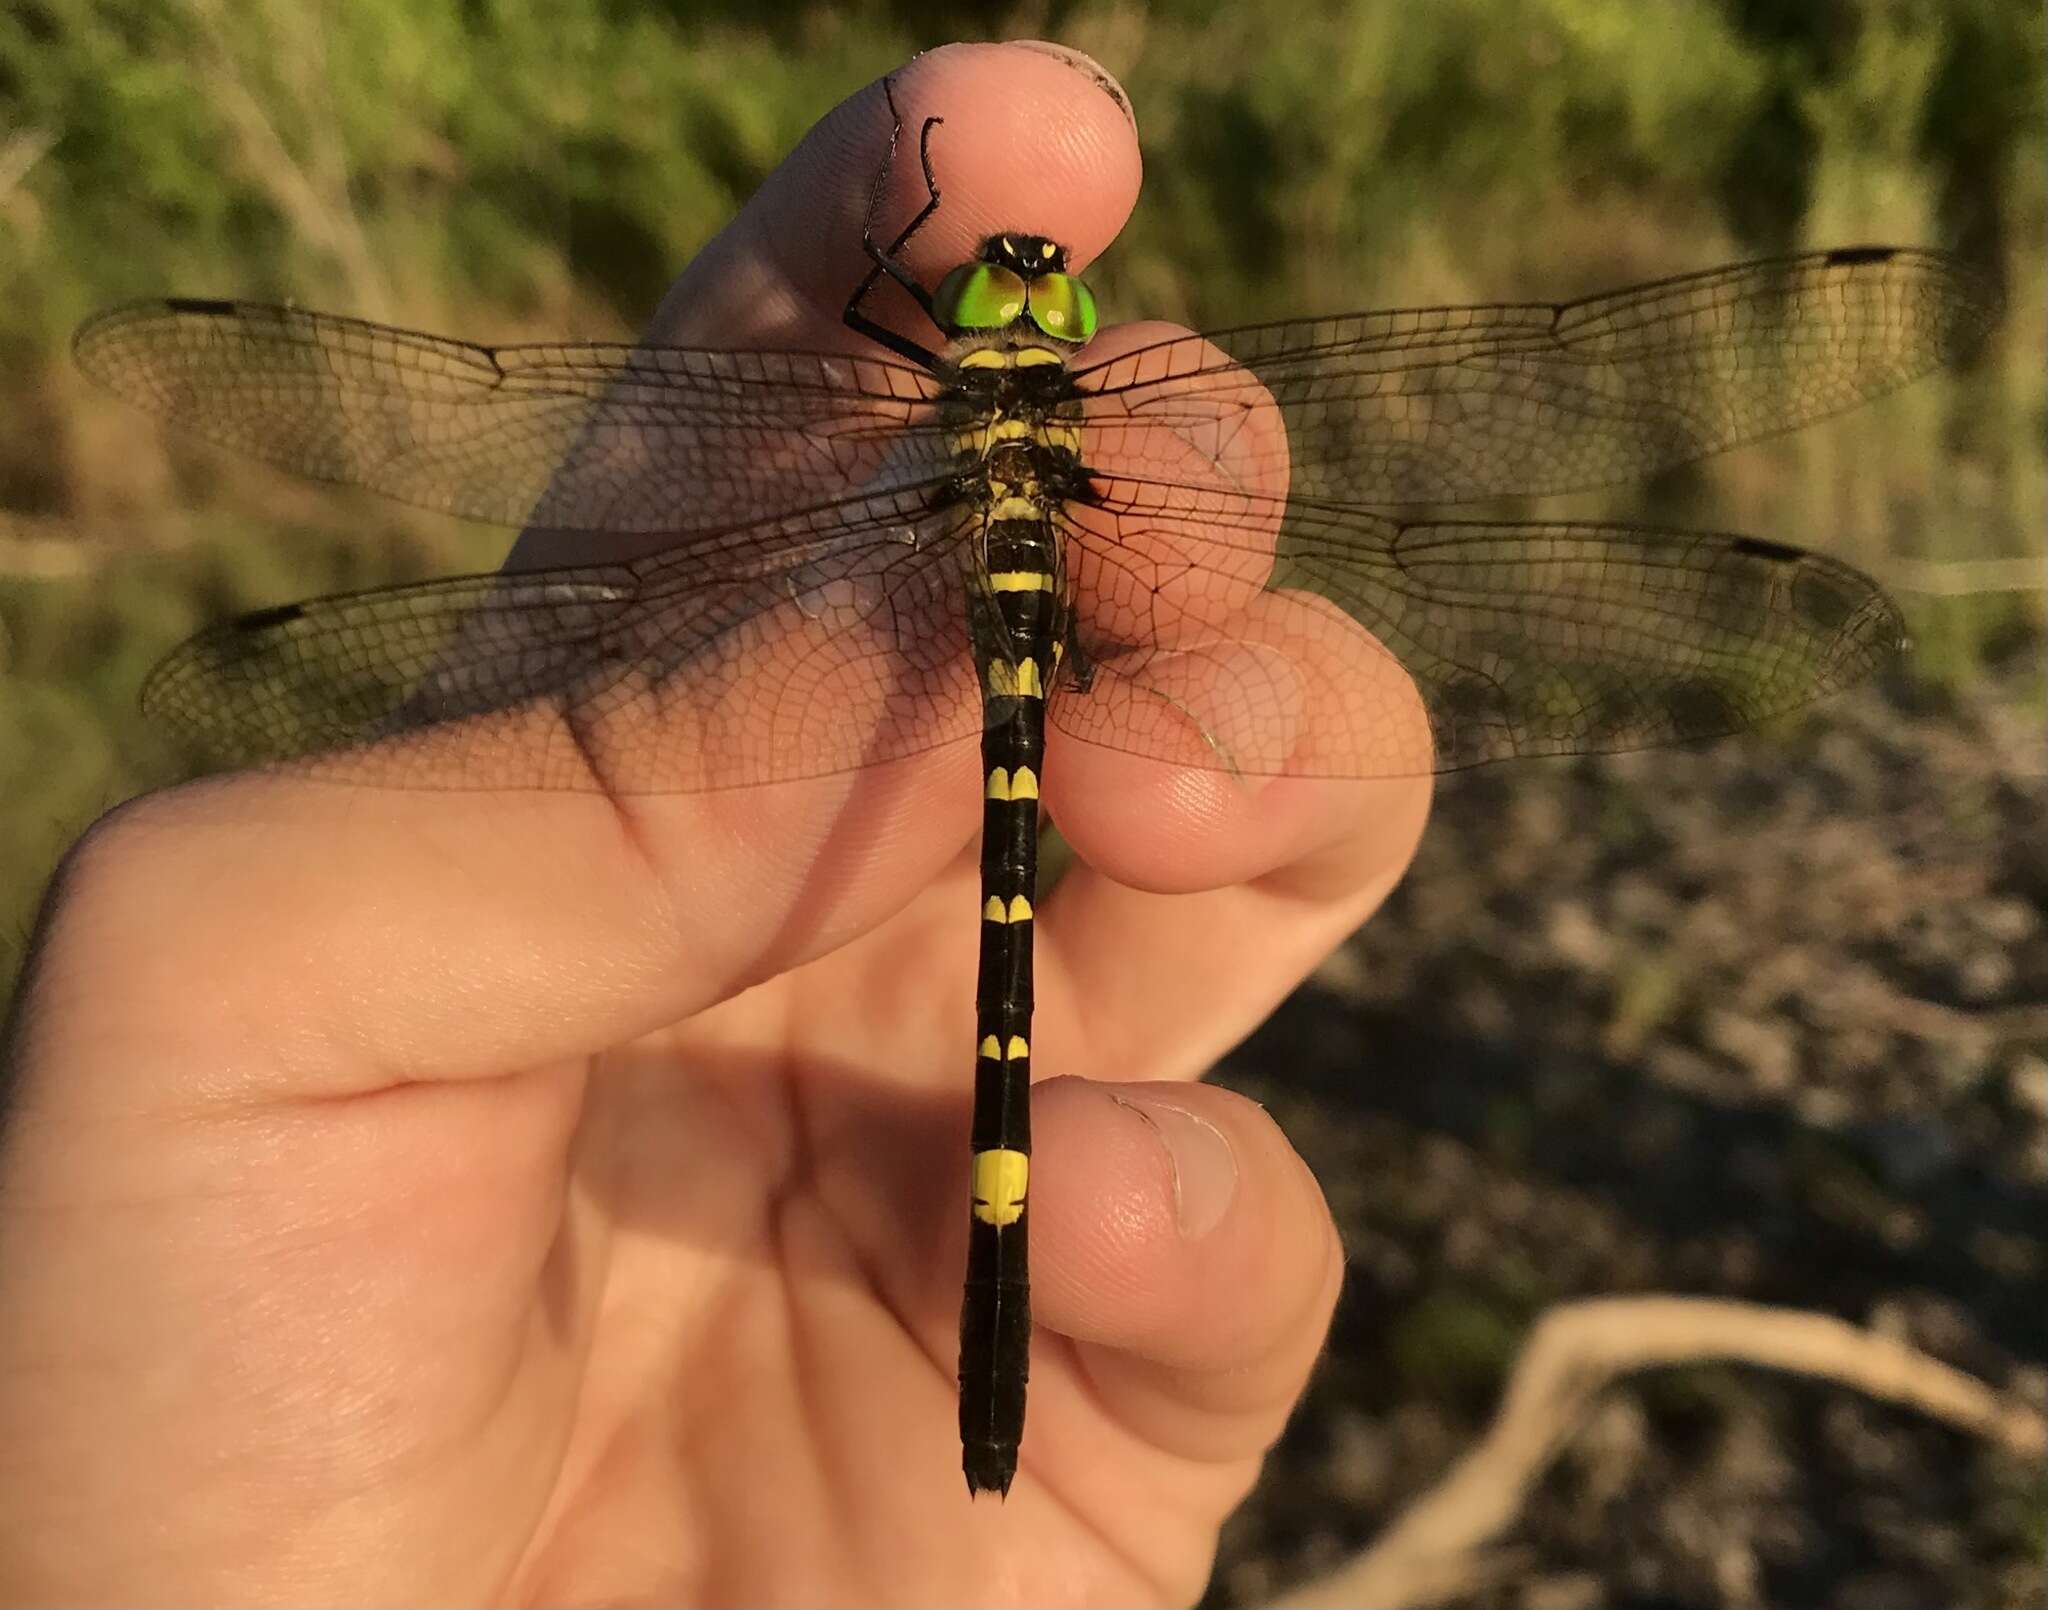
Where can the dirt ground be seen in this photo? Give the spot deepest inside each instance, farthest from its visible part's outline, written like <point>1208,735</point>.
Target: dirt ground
<point>1766,1019</point>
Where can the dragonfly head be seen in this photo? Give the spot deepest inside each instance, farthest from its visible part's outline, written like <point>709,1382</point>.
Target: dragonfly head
<point>1017,279</point>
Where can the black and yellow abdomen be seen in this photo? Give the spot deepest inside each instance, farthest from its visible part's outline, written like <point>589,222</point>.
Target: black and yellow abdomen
<point>1018,619</point>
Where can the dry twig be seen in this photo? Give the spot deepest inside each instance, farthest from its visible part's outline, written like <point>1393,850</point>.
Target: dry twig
<point>1439,1547</point>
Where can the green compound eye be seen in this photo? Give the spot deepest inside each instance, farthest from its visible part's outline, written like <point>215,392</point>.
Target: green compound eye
<point>1063,307</point>
<point>978,296</point>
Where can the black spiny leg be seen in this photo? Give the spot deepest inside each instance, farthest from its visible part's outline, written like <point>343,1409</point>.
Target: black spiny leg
<point>884,258</point>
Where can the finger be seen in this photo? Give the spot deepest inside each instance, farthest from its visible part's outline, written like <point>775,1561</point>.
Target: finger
<point>1202,896</point>
<point>1035,138</point>
<point>1185,1251</point>
<point>1197,905</point>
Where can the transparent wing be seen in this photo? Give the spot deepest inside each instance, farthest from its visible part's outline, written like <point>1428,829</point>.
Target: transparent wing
<point>589,437</point>
<point>795,648</point>
<point>1253,634</point>
<point>1446,405</point>
<point>1521,638</point>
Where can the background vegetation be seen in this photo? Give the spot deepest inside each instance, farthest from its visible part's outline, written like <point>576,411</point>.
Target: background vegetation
<point>499,168</point>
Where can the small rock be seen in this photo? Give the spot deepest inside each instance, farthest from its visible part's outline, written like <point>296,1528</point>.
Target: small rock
<point>1765,1049</point>
<point>1984,975</point>
<point>2027,1080</point>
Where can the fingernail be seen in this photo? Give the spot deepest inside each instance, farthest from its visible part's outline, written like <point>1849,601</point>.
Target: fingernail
<point>1088,67</point>
<point>1204,1167</point>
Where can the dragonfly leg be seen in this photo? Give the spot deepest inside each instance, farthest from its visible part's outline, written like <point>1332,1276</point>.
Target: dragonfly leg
<point>884,258</point>
<point>1080,666</point>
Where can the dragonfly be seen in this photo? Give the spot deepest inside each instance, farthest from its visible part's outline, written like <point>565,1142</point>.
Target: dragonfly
<point>1206,552</point>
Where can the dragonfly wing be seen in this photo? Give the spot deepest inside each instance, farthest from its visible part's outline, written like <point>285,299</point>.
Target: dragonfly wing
<point>795,648</point>
<point>593,437</point>
<point>1447,405</point>
<point>1520,639</point>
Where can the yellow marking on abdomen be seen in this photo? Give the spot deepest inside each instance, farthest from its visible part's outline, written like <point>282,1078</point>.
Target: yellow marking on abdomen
<point>1017,1050</point>
<point>990,1047</point>
<point>1001,1177</point>
<point>1006,786</point>
<point>1018,910</point>
<point>1020,681</point>
<point>1020,581</point>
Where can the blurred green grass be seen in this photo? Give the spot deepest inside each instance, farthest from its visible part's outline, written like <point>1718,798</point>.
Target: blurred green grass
<point>507,168</point>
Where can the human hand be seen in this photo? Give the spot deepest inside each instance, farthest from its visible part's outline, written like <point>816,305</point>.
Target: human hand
<point>452,1197</point>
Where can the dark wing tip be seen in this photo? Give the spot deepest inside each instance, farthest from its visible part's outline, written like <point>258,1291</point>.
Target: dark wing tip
<point>97,341</point>
<point>1972,294</point>
<point>1966,298</point>
<point>230,642</point>
<point>88,340</point>
<point>103,333</point>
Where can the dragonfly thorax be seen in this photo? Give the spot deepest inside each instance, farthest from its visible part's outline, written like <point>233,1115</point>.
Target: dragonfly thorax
<point>1017,426</point>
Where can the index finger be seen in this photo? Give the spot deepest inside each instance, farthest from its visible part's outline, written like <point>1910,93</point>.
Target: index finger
<point>1034,137</point>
